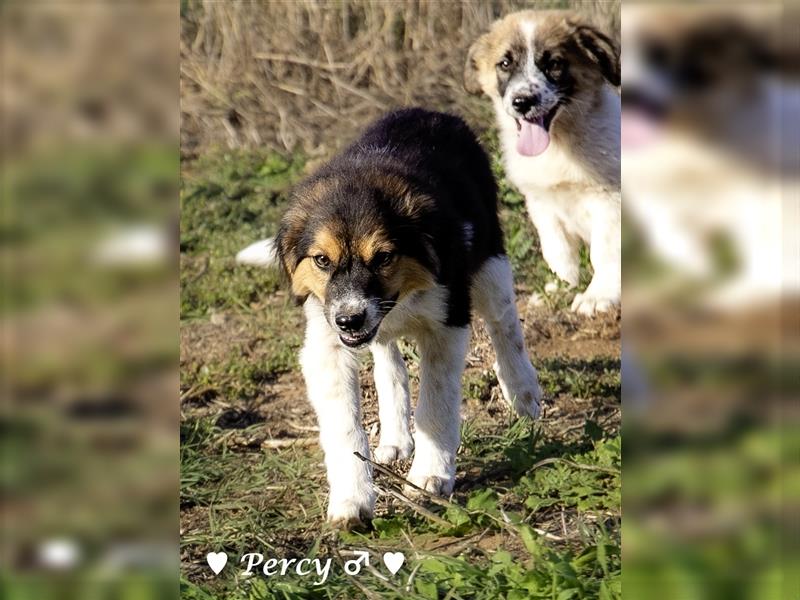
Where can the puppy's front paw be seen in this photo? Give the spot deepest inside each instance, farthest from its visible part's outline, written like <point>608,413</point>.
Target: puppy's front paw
<point>528,403</point>
<point>433,484</point>
<point>521,388</point>
<point>387,454</point>
<point>348,515</point>
<point>589,304</point>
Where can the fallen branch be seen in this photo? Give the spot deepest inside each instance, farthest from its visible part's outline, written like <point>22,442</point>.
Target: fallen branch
<point>301,427</point>
<point>289,442</point>
<point>299,60</point>
<point>510,527</point>
<point>388,472</point>
<point>466,543</point>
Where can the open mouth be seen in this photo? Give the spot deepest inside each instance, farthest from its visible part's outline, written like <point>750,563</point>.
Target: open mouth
<point>533,133</point>
<point>358,339</point>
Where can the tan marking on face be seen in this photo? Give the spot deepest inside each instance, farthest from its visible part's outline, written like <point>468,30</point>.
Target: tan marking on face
<point>368,246</point>
<point>327,244</point>
<point>408,275</point>
<point>309,279</point>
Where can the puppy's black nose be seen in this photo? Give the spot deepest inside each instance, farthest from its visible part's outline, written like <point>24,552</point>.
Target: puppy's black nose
<point>351,322</point>
<point>523,104</point>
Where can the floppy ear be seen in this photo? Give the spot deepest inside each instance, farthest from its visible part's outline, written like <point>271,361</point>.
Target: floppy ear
<point>286,248</point>
<point>471,68</point>
<point>600,49</point>
<point>289,232</point>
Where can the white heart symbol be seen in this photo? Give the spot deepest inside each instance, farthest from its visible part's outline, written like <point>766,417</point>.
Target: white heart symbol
<point>393,561</point>
<point>217,561</point>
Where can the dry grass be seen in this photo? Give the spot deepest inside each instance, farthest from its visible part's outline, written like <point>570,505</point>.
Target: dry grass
<point>306,75</point>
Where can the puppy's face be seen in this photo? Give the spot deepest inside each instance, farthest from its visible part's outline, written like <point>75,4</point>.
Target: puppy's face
<point>535,65</point>
<point>354,244</point>
<point>690,68</point>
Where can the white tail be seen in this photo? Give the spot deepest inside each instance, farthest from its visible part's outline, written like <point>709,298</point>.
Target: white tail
<point>260,254</point>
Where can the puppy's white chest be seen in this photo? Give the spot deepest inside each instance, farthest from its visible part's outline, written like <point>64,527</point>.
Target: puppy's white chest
<point>548,170</point>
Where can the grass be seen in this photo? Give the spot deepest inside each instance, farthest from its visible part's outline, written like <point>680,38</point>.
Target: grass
<point>536,510</point>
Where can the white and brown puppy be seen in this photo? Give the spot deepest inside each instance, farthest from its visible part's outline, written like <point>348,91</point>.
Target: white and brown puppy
<point>553,81</point>
<point>399,236</point>
<point>707,95</point>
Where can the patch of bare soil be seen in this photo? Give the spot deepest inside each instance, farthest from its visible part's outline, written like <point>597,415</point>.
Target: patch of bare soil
<point>279,415</point>
<point>285,413</point>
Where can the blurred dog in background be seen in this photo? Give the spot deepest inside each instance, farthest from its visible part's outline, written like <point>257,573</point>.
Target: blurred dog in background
<point>705,158</point>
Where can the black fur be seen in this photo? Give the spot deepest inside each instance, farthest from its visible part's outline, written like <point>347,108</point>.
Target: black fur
<point>440,161</point>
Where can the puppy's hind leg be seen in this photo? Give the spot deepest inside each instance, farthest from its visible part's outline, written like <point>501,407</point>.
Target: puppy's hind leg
<point>493,299</point>
<point>391,382</point>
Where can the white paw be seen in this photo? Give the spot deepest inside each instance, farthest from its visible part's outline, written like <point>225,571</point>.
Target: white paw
<point>522,391</point>
<point>387,454</point>
<point>433,484</point>
<point>434,468</point>
<point>528,403</point>
<point>349,514</point>
<point>524,396</point>
<point>589,304</point>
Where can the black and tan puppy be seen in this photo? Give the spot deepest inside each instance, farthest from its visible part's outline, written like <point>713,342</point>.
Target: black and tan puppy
<point>399,236</point>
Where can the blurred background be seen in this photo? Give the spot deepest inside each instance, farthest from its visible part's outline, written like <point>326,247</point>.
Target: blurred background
<point>90,98</point>
<point>89,101</point>
<point>711,487</point>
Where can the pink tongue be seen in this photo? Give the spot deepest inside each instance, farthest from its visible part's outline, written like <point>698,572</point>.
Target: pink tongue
<point>637,129</point>
<point>532,139</point>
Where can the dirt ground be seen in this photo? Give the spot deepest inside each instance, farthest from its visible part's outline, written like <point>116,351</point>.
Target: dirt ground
<point>555,338</point>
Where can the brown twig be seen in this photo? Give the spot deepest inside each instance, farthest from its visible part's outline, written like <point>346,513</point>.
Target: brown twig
<point>300,60</point>
<point>301,427</point>
<point>510,527</point>
<point>417,508</point>
<point>289,442</point>
<point>467,543</point>
<point>388,472</point>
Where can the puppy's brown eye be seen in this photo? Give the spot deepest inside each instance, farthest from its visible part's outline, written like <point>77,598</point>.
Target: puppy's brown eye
<point>322,261</point>
<point>506,63</point>
<point>383,259</point>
